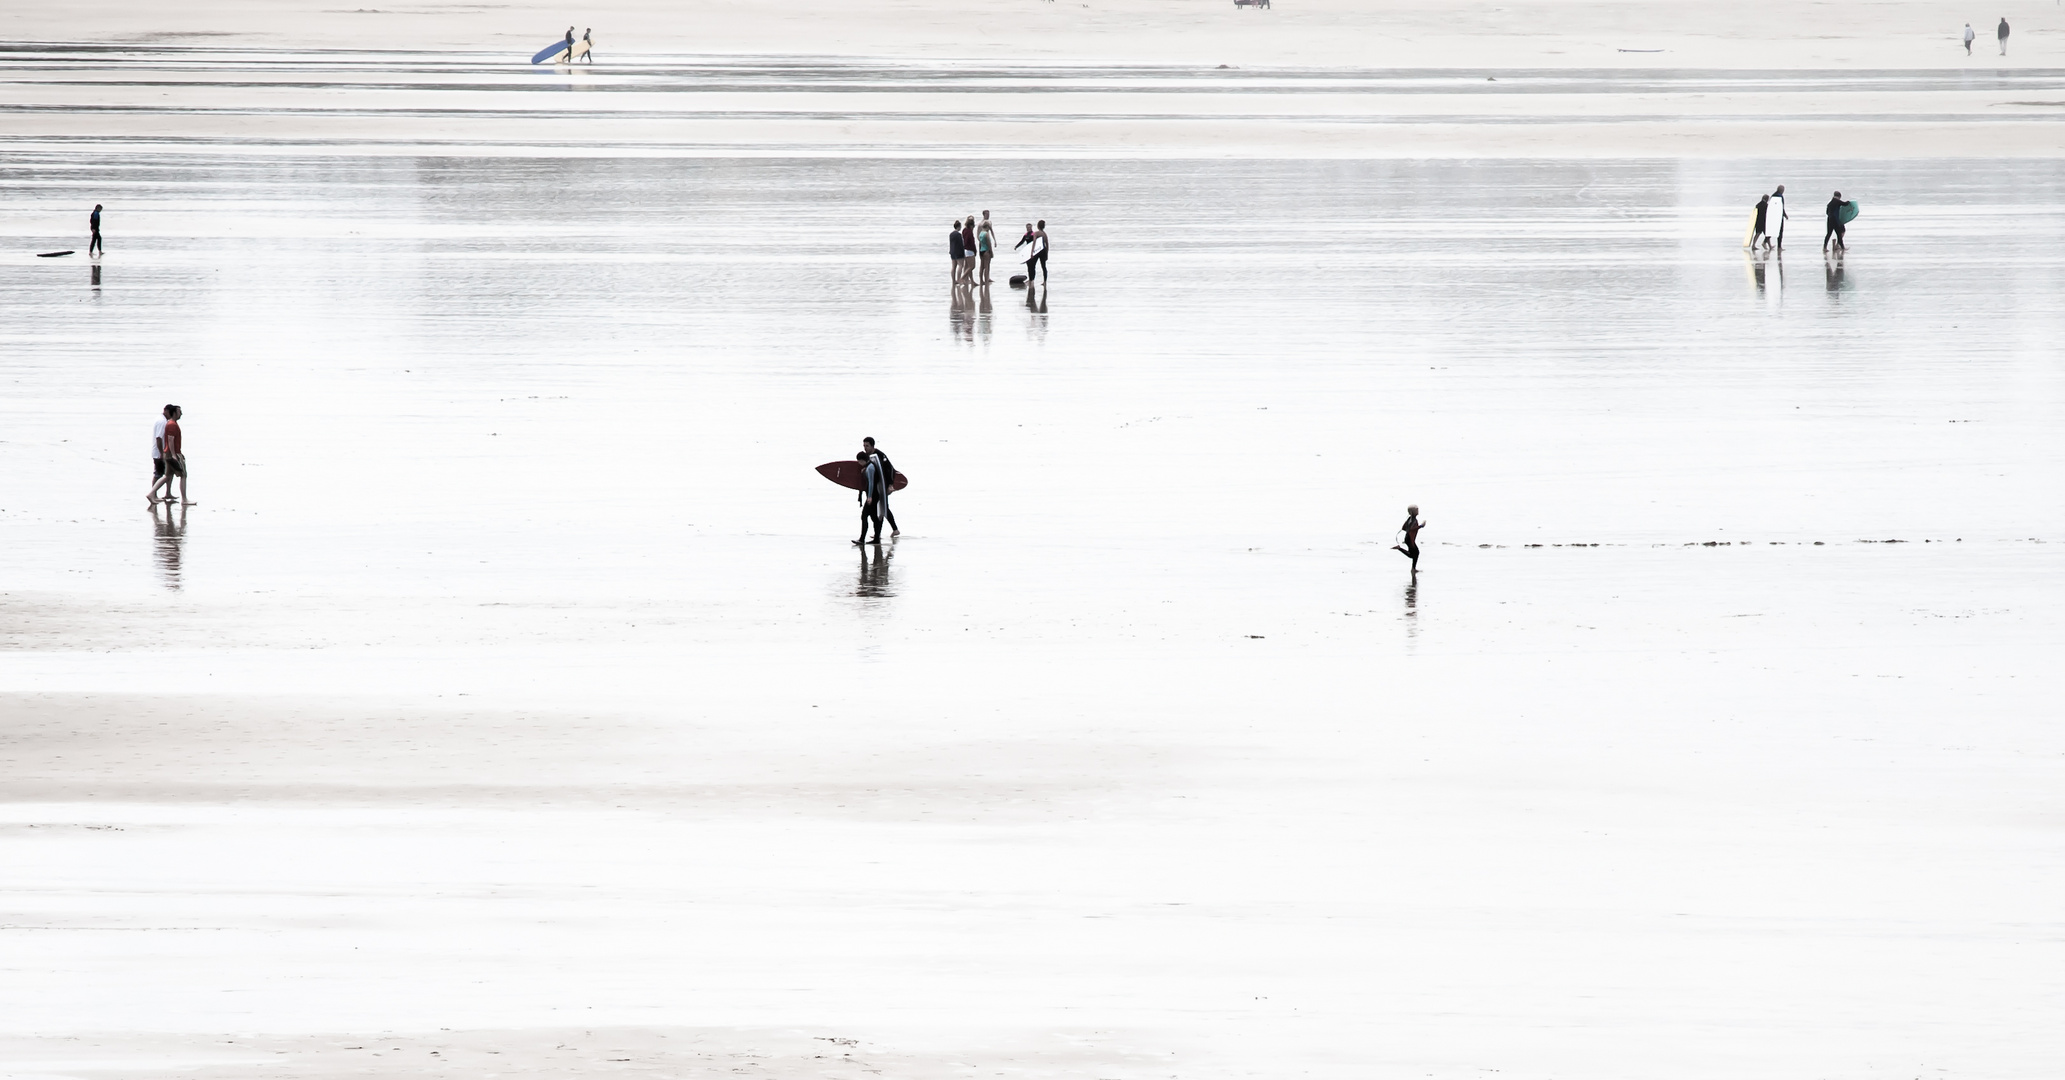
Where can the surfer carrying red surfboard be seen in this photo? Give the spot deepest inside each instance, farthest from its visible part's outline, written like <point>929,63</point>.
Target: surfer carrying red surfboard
<point>1410,548</point>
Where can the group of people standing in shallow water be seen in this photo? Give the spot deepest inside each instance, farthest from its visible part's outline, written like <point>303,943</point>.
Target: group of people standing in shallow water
<point>971,244</point>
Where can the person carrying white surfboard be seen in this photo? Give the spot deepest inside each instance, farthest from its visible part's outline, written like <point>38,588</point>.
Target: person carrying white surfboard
<point>1774,219</point>
<point>588,44</point>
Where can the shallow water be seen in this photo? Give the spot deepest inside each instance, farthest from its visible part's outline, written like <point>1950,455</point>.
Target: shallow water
<point>541,432</point>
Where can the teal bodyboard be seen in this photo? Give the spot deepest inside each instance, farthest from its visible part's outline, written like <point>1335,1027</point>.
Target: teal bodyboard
<point>1849,211</point>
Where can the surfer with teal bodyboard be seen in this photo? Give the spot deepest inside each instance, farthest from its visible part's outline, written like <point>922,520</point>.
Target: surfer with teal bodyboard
<point>1841,212</point>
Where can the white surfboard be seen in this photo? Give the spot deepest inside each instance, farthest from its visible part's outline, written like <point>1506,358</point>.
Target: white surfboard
<point>581,48</point>
<point>1774,220</point>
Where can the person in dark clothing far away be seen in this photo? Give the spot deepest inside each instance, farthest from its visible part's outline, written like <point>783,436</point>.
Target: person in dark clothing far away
<point>569,58</point>
<point>956,250</point>
<point>872,487</point>
<point>1410,546</point>
<point>588,37</point>
<point>867,447</point>
<point>968,249</point>
<point>93,244</point>
<point>1022,241</point>
<point>2002,34</point>
<point>1757,230</point>
<point>1835,223</point>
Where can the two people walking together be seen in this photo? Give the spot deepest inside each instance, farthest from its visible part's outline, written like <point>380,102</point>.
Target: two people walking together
<point>878,479</point>
<point>168,457</point>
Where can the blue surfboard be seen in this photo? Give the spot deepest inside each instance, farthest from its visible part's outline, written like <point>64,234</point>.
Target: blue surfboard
<point>548,52</point>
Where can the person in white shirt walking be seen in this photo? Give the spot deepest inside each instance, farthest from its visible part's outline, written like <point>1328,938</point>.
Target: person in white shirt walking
<point>1969,36</point>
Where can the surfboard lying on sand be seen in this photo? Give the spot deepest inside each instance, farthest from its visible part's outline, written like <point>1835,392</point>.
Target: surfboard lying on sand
<point>549,51</point>
<point>848,474</point>
<point>54,254</point>
<point>1849,211</point>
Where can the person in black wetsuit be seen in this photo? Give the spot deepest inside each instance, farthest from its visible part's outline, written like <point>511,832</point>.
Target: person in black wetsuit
<point>569,45</point>
<point>1411,547</point>
<point>956,250</point>
<point>871,489</point>
<point>93,244</point>
<point>588,36</point>
<point>1835,223</point>
<point>881,461</point>
<point>1757,231</point>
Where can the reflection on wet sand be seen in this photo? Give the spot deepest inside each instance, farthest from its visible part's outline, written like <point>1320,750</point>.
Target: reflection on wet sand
<point>1767,273</point>
<point>170,523</point>
<point>1412,607</point>
<point>1832,269</point>
<point>874,571</point>
<point>96,277</point>
<point>1036,302</point>
<point>961,314</point>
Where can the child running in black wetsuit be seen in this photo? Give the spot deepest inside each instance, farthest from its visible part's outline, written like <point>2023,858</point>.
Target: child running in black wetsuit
<point>1411,547</point>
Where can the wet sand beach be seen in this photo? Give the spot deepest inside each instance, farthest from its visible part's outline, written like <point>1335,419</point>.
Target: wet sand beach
<point>513,701</point>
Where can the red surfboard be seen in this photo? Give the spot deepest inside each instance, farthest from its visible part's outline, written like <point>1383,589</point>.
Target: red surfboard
<point>848,474</point>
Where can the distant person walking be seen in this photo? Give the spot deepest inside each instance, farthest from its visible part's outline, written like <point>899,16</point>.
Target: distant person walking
<point>1757,229</point>
<point>1835,223</point>
<point>1774,219</point>
<point>588,39</point>
<point>93,244</point>
<point>956,251</point>
<point>1410,546</point>
<point>172,454</point>
<point>985,245</point>
<point>569,58</point>
<point>881,460</point>
<point>2001,32</point>
<point>1969,35</point>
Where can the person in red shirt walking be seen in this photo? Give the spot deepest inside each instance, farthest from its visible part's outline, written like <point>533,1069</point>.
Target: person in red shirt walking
<point>172,454</point>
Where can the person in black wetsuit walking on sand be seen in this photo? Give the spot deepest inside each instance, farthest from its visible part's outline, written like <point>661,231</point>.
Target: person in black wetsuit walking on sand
<point>1410,548</point>
<point>93,244</point>
<point>867,448</point>
<point>1835,224</point>
<point>871,489</point>
<point>2002,34</point>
